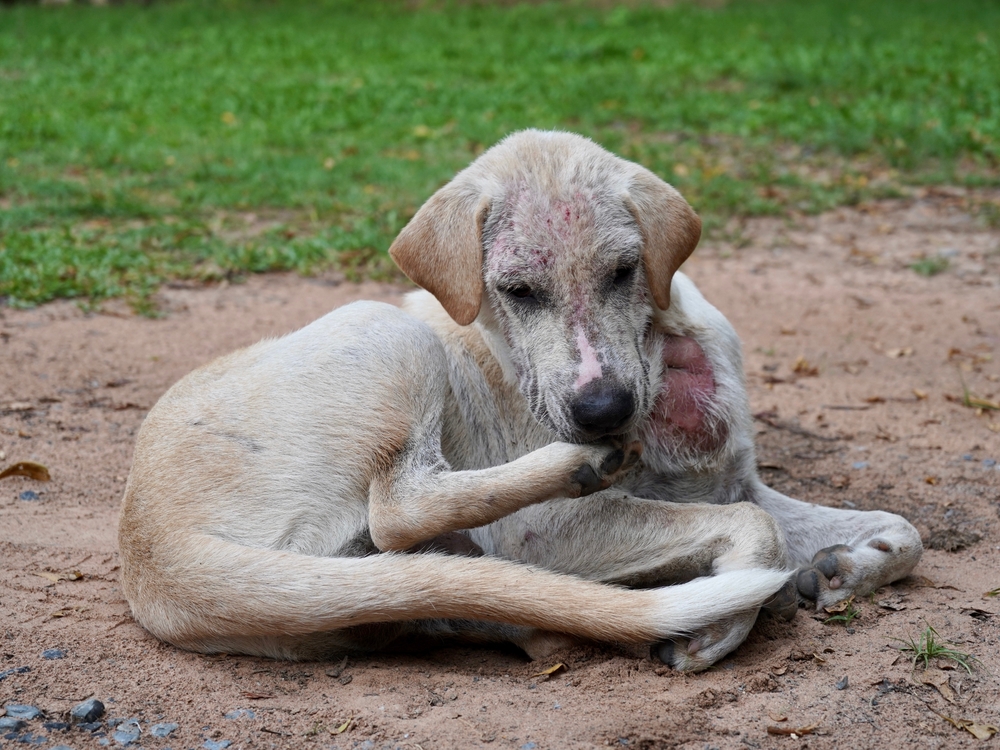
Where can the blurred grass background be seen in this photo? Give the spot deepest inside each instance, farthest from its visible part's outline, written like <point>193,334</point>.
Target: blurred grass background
<point>204,140</point>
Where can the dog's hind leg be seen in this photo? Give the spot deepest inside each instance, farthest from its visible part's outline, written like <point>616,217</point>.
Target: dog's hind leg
<point>839,552</point>
<point>613,537</point>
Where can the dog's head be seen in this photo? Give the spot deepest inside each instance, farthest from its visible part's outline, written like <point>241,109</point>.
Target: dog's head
<point>569,247</point>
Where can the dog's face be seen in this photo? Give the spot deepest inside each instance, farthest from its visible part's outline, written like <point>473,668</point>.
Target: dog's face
<point>570,248</point>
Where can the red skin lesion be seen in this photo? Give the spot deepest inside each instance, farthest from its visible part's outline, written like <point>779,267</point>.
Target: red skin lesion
<point>680,412</point>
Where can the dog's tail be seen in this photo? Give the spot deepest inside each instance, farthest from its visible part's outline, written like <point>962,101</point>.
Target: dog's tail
<point>215,594</point>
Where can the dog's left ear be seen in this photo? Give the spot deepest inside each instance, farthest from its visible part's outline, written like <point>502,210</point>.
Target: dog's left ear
<point>670,230</point>
<point>441,249</point>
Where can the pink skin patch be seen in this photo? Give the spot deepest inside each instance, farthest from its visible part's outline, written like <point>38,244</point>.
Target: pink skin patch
<point>590,365</point>
<point>688,385</point>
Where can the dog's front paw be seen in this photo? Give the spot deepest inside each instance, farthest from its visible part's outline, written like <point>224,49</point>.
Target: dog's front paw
<point>839,572</point>
<point>707,646</point>
<point>603,467</point>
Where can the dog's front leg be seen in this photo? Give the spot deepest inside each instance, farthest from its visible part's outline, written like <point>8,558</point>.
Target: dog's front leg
<point>418,498</point>
<point>841,553</point>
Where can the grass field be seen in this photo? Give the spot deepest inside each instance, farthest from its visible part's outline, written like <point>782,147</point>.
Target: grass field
<point>203,140</point>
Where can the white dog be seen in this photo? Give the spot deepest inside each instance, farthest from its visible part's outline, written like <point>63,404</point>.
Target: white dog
<point>493,428</point>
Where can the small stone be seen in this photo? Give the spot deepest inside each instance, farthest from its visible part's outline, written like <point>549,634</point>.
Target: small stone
<point>217,744</point>
<point>162,730</point>
<point>29,739</point>
<point>53,653</point>
<point>28,495</point>
<point>240,713</point>
<point>88,712</point>
<point>19,711</point>
<point>127,732</point>
<point>90,726</point>
<point>11,724</point>
<point>842,683</point>
<point>60,747</point>
<point>56,726</point>
<point>989,463</point>
<point>967,457</point>
<point>13,670</point>
<point>859,465</point>
<point>529,746</point>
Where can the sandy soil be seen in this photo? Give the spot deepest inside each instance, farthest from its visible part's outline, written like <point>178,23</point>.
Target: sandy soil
<point>853,361</point>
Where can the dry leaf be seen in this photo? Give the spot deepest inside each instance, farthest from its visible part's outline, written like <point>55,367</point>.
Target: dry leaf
<point>979,731</point>
<point>20,406</point>
<point>939,680</point>
<point>921,395</point>
<point>894,606</point>
<point>993,426</point>
<point>342,728</point>
<point>932,480</point>
<point>840,606</point>
<point>981,403</point>
<point>551,670</point>
<point>73,575</point>
<point>777,716</point>
<point>802,367</point>
<point>904,351</point>
<point>252,696</point>
<point>29,469</point>
<point>794,731</point>
<point>875,400</point>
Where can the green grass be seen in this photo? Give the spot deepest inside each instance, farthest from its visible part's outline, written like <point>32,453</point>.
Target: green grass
<point>182,139</point>
<point>929,646</point>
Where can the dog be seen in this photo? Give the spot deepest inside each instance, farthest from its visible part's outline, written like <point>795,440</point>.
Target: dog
<point>551,442</point>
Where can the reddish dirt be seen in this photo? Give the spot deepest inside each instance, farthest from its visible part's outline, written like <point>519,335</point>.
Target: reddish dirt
<point>854,363</point>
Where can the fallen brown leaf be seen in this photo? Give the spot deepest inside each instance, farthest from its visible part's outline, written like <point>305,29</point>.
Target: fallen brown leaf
<point>803,367</point>
<point>932,480</point>
<point>903,351</point>
<point>551,670</point>
<point>840,606</point>
<point>939,680</point>
<point>777,716</point>
<point>73,575</point>
<point>252,696</point>
<point>979,731</point>
<point>342,728</point>
<point>921,395</point>
<point>29,469</point>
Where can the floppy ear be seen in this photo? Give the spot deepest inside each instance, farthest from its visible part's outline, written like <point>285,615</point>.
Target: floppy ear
<point>441,249</point>
<point>670,230</point>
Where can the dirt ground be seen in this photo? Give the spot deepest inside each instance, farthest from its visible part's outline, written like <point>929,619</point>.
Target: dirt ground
<point>856,367</point>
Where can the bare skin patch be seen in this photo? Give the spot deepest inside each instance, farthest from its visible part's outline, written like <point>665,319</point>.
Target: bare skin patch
<point>688,387</point>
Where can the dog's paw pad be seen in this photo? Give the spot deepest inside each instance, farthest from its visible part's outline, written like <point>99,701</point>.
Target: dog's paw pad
<point>785,602</point>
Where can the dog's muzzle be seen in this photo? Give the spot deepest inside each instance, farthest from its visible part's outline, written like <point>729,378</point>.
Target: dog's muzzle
<point>601,408</point>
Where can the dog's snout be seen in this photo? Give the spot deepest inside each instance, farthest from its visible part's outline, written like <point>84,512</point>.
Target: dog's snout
<point>602,407</point>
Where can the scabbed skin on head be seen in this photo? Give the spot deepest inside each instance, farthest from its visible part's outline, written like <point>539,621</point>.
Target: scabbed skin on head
<point>572,249</point>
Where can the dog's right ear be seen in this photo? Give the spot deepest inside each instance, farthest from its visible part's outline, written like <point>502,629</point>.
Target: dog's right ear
<point>441,249</point>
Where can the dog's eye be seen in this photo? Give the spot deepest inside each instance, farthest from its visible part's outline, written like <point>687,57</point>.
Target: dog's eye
<point>623,276</point>
<point>521,291</point>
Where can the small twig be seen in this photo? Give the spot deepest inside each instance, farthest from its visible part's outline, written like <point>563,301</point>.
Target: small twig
<point>768,418</point>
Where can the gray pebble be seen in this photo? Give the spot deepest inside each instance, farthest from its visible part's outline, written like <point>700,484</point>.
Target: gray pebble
<point>241,713</point>
<point>53,653</point>
<point>967,457</point>
<point>989,463</point>
<point>89,711</point>
<point>127,732</point>
<point>217,744</point>
<point>19,711</point>
<point>842,683</point>
<point>11,724</point>
<point>13,670</point>
<point>859,465</point>
<point>28,495</point>
<point>529,746</point>
<point>162,730</point>
<point>56,726</point>
<point>60,747</point>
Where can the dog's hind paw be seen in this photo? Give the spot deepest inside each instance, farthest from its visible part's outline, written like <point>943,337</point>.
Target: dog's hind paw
<point>839,572</point>
<point>707,646</point>
<point>602,469</point>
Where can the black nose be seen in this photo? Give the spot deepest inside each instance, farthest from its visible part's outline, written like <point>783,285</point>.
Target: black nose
<point>601,407</point>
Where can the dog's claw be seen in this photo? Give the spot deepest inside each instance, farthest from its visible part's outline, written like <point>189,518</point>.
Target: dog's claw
<point>664,651</point>
<point>825,561</point>
<point>613,462</point>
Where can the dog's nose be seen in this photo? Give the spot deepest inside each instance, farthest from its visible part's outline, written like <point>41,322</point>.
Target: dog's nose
<point>601,407</point>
